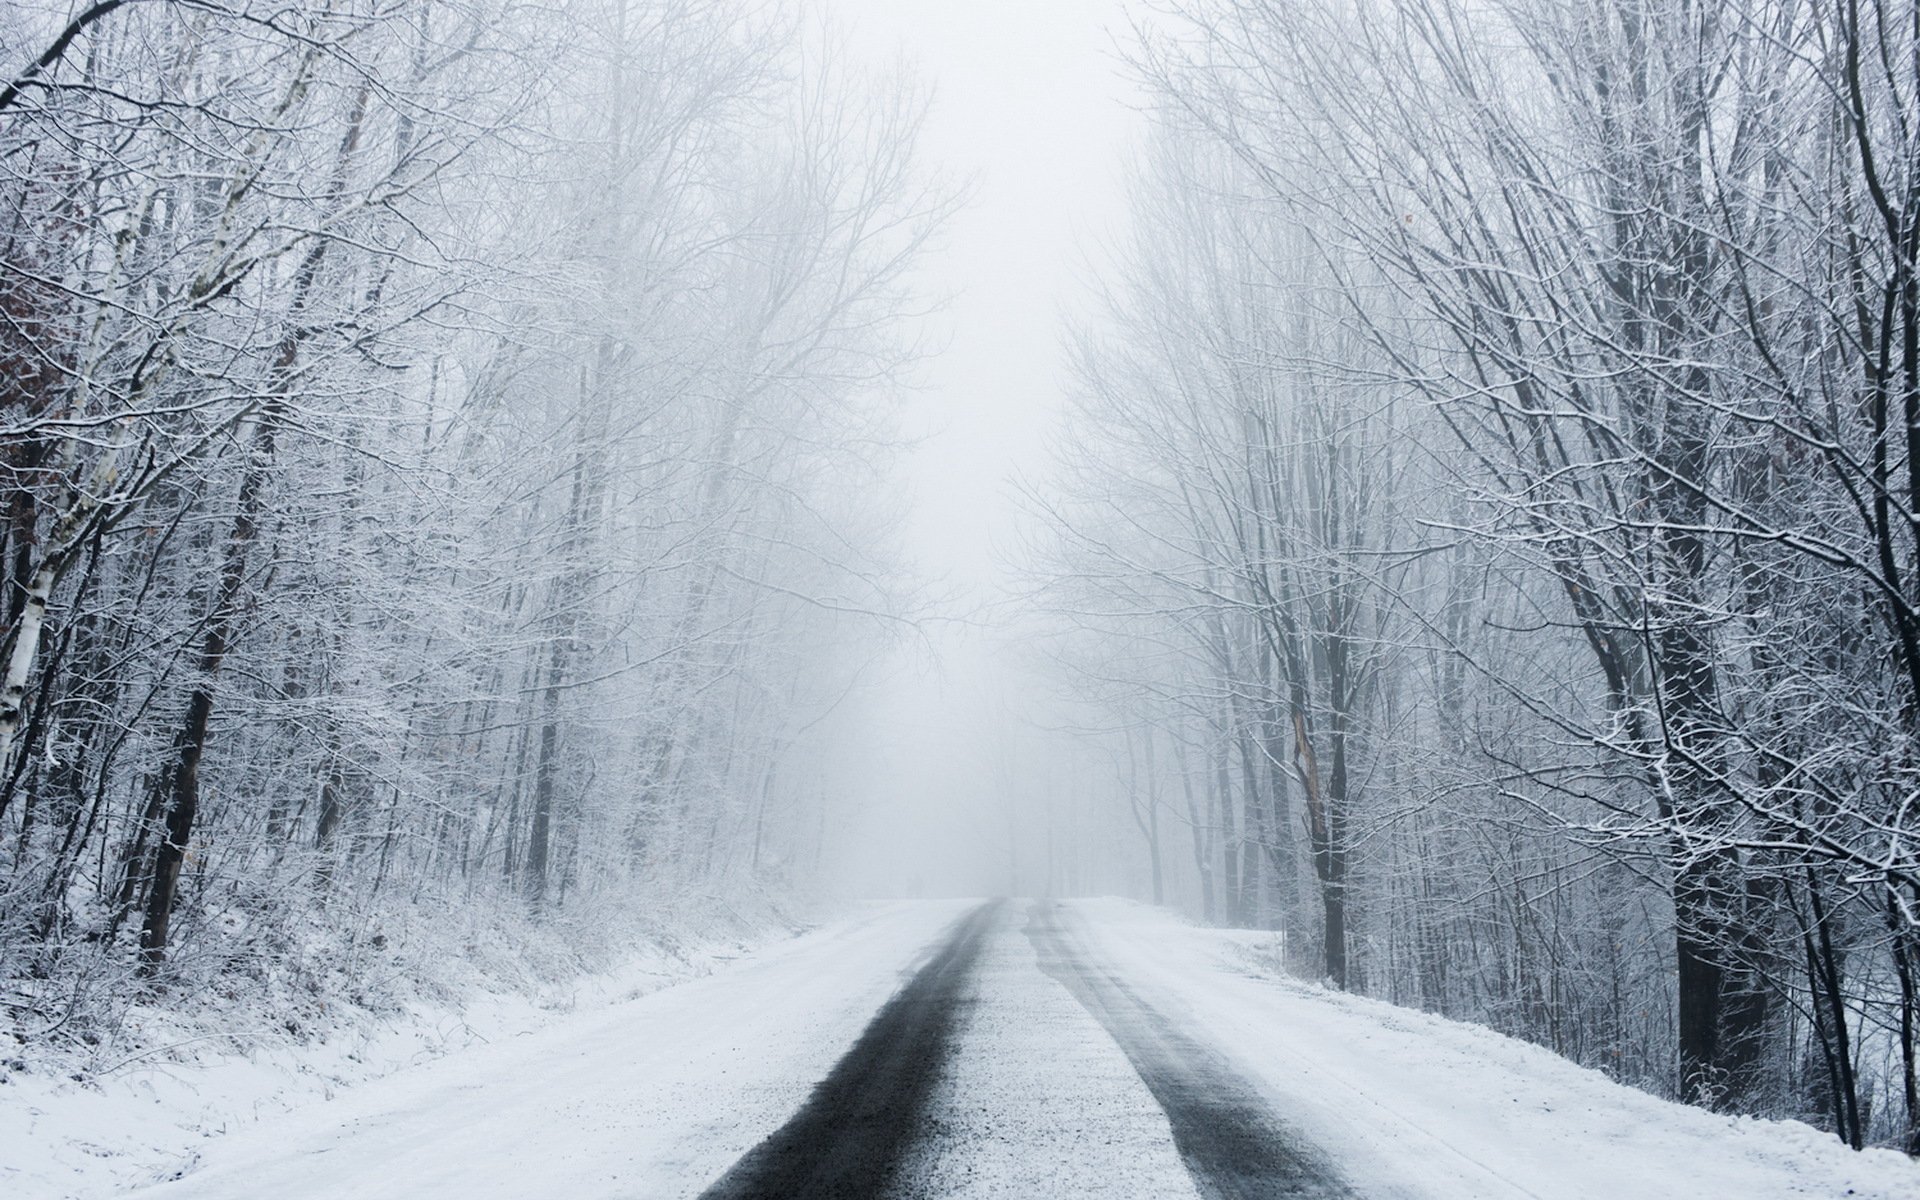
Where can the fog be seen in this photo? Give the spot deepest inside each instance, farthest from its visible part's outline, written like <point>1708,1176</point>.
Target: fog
<point>962,761</point>
<point>492,485</point>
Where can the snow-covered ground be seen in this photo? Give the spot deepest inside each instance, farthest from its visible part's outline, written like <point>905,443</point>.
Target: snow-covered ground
<point>657,1096</point>
<point>649,1098</point>
<point>1412,1105</point>
<point>224,1117</point>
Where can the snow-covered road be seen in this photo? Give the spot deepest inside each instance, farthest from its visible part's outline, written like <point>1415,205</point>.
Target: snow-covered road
<point>653,1097</point>
<point>1093,1049</point>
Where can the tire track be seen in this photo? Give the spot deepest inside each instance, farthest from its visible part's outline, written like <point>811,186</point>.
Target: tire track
<point>847,1139</point>
<point>1233,1144</point>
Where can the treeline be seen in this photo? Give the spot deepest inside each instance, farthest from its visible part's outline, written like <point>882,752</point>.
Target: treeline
<point>432,435</point>
<point>1492,524</point>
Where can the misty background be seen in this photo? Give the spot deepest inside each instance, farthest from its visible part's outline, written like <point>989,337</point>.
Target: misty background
<point>1431,486</point>
<point>961,753</point>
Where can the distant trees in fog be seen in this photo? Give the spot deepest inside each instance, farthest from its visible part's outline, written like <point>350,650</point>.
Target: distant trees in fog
<point>1500,463</point>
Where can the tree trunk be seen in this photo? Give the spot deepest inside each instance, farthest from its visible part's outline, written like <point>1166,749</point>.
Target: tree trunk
<point>179,789</point>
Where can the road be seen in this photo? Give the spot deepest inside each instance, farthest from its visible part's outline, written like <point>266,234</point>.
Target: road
<point>850,1136</point>
<point>1233,1140</point>
<point>1015,1049</point>
<point>856,1137</point>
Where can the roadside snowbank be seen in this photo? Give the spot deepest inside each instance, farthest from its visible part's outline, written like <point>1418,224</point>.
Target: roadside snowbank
<point>652,1097</point>
<point>185,1069</point>
<point>1414,1105</point>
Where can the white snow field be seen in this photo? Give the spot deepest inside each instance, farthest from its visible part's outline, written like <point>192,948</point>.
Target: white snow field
<point>658,1096</point>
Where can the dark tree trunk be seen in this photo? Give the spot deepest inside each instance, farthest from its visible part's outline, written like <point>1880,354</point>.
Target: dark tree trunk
<point>178,799</point>
<point>181,805</point>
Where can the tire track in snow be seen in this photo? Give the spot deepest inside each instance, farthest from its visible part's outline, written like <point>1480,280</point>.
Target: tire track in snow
<point>1233,1144</point>
<point>846,1140</point>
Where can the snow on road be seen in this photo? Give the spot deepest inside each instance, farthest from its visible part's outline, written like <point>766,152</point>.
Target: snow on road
<point>1036,1099</point>
<point>652,1098</point>
<point>1235,1143</point>
<point>1031,1096</point>
<point>1418,1107</point>
<point>848,1137</point>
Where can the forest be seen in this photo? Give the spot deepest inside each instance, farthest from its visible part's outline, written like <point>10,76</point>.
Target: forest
<point>440,441</point>
<point>1489,531</point>
<point>450,505</point>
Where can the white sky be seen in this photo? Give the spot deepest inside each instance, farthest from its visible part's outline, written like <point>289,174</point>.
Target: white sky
<point>1031,105</point>
<point>1034,109</point>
